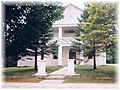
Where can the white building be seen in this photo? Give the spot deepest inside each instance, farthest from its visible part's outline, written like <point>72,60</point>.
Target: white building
<point>64,33</point>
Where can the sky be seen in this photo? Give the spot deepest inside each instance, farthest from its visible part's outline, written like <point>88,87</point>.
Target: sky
<point>78,3</point>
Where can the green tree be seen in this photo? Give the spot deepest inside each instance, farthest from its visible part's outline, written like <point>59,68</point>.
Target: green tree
<point>28,26</point>
<point>13,25</point>
<point>38,28</point>
<point>99,29</point>
<point>111,51</point>
<point>53,47</point>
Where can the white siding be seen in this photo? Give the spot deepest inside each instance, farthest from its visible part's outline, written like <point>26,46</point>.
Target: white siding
<point>26,62</point>
<point>100,59</point>
<point>50,61</point>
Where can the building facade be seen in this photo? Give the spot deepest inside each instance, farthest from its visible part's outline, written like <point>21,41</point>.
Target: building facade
<point>64,33</point>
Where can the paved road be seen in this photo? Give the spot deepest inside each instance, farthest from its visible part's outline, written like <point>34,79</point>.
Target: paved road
<point>60,85</point>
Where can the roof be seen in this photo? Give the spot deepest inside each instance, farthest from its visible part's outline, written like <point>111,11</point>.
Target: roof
<point>73,6</point>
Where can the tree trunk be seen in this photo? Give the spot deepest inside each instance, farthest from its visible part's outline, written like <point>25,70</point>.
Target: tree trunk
<point>42,54</point>
<point>35,67</point>
<point>94,59</point>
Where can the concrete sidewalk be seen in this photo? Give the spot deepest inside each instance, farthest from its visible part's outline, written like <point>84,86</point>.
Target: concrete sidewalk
<point>63,85</point>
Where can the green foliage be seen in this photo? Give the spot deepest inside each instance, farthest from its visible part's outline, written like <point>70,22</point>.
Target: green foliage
<point>53,47</point>
<point>111,54</point>
<point>99,25</point>
<point>11,61</point>
<point>101,28</point>
<point>13,25</point>
<point>98,28</point>
<point>39,24</point>
<point>77,44</point>
<point>28,26</point>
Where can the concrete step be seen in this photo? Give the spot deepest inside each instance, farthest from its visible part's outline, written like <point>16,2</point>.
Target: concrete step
<point>55,77</point>
<point>51,82</point>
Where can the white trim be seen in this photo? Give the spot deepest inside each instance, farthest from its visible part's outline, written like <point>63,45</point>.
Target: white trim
<point>60,47</point>
<point>64,25</point>
<point>60,32</point>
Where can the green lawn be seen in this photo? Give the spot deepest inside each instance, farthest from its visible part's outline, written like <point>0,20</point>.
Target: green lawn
<point>24,74</point>
<point>103,74</point>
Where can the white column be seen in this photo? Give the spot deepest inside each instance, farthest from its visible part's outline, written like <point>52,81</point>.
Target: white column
<point>60,32</point>
<point>60,47</point>
<point>41,67</point>
<point>60,55</point>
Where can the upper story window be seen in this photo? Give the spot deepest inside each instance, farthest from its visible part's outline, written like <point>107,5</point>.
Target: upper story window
<point>69,31</point>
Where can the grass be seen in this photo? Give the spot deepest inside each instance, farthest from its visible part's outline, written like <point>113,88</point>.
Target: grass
<point>103,74</point>
<point>52,68</point>
<point>25,74</point>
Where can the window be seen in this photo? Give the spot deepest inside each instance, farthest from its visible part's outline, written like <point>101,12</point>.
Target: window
<point>89,56</point>
<point>72,54</point>
<point>68,31</point>
<point>71,31</point>
<point>55,56</point>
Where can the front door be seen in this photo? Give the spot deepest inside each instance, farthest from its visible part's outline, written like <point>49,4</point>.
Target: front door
<point>72,54</point>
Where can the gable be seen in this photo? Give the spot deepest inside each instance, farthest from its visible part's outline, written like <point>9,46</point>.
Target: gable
<point>71,15</point>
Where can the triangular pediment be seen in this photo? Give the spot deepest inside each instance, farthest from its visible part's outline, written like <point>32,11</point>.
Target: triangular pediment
<point>71,15</point>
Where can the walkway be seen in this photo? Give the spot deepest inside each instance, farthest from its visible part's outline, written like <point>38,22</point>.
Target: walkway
<point>61,71</point>
<point>56,77</point>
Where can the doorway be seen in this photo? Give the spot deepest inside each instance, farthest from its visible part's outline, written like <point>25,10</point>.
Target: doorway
<point>72,54</point>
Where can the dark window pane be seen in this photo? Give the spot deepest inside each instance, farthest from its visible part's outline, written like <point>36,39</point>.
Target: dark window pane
<point>90,57</point>
<point>55,56</point>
